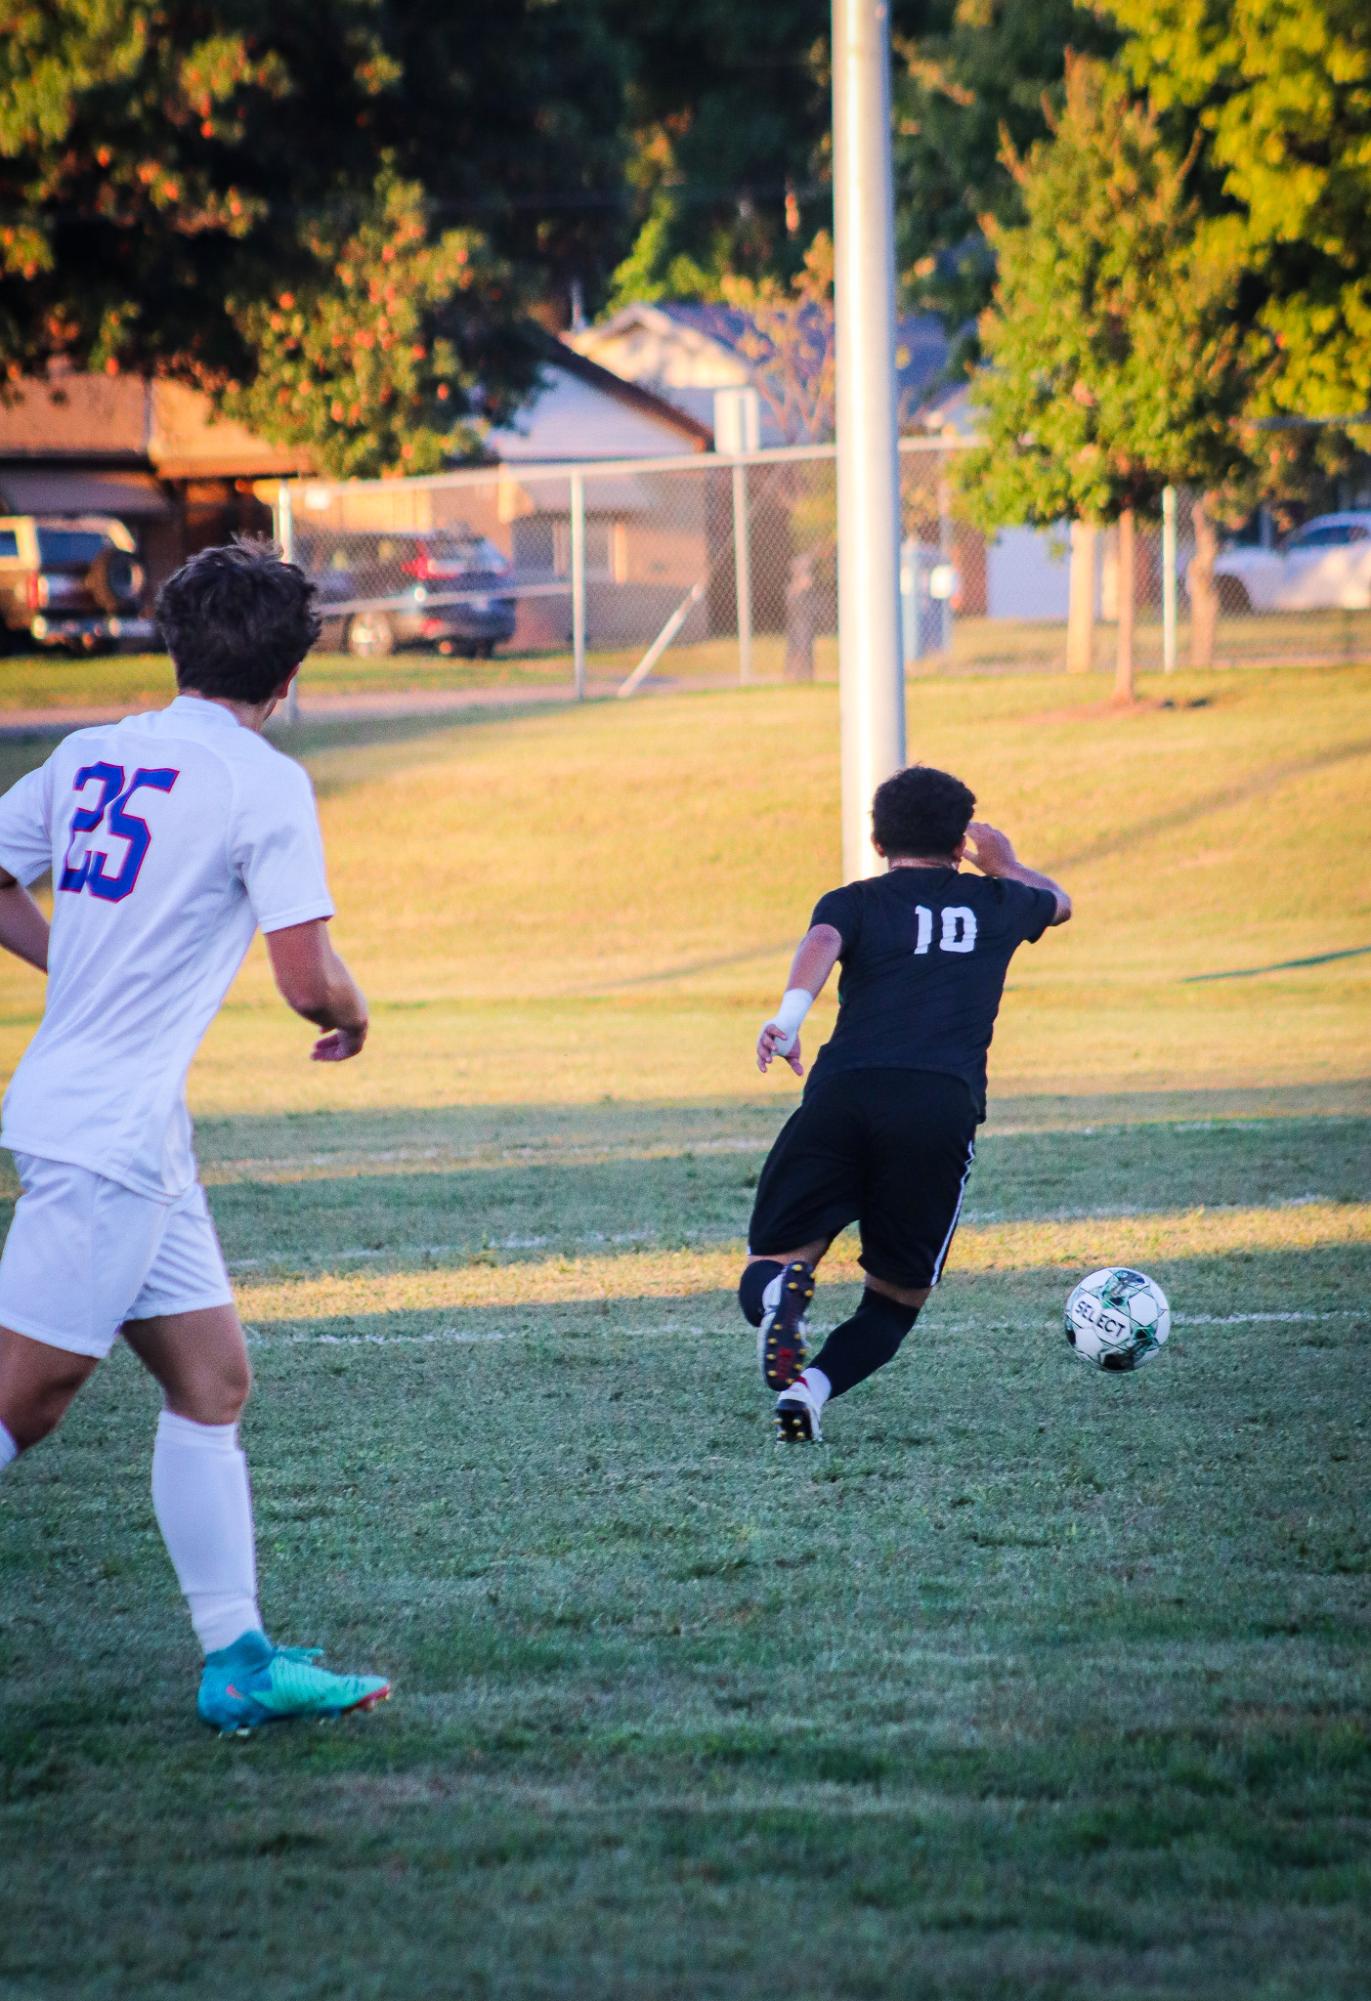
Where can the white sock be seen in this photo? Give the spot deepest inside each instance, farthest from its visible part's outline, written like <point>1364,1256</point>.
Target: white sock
<point>8,1449</point>
<point>203,1505</point>
<point>818,1385</point>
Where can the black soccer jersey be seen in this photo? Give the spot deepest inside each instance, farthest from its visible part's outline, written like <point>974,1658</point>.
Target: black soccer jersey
<point>924,958</point>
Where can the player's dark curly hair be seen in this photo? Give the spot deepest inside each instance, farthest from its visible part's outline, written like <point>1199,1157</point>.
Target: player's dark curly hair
<point>921,812</point>
<point>237,620</point>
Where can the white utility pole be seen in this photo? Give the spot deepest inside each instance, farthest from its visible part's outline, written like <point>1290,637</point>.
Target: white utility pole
<point>285,542</point>
<point>738,429</point>
<point>871,674</point>
<point>1170,580</point>
<point>577,502</point>
<point>742,570</point>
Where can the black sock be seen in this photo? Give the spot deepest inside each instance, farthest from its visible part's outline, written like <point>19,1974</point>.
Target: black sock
<point>866,1342</point>
<point>753,1283</point>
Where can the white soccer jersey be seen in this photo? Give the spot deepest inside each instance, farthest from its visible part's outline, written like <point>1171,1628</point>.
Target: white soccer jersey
<point>170,838</point>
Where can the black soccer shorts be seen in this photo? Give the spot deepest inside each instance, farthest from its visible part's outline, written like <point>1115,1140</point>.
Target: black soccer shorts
<point>890,1150</point>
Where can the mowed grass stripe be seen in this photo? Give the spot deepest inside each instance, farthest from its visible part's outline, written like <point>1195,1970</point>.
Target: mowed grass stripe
<point>661,1274</point>
<point>441,1159</point>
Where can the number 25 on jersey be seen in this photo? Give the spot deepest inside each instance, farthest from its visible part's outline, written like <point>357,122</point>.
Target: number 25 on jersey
<point>87,864</point>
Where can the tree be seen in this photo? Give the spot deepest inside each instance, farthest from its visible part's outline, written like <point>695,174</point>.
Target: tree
<point>386,351</point>
<point>970,78</point>
<point>171,173</point>
<point>729,107</point>
<point>1279,94</point>
<point>1113,345</point>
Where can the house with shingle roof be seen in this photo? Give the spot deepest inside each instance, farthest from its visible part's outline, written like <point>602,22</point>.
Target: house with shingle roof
<point>157,456</point>
<point>684,353</point>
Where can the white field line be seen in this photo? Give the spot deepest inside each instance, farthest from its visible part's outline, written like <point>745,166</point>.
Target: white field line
<point>438,1337</point>
<point>1245,1319</point>
<point>492,1153</point>
<point>546,1153</point>
<point>1112,1212</point>
<point>463,1338</point>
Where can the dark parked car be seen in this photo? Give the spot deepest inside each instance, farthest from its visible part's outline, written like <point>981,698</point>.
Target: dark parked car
<point>384,589</point>
<point>70,582</point>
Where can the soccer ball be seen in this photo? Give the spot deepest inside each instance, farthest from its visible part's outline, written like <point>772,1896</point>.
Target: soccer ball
<point>1117,1318</point>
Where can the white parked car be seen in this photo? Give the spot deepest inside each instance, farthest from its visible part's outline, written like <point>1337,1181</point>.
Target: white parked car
<point>1324,566</point>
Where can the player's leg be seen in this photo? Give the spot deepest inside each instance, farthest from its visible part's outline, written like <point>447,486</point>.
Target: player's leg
<point>57,1318</point>
<point>185,1330</point>
<point>775,1292</point>
<point>200,1491</point>
<point>37,1382</point>
<point>856,1348</point>
<point>809,1189</point>
<point>920,1139</point>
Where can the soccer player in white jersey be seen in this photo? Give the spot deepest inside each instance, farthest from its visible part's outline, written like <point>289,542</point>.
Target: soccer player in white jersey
<point>170,838</point>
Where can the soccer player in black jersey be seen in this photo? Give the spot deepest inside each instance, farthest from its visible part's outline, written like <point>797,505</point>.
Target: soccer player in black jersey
<point>885,1133</point>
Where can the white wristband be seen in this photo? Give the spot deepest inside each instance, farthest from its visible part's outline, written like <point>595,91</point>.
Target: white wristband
<point>795,1005</point>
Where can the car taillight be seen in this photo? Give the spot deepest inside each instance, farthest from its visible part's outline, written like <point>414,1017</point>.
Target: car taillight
<point>417,566</point>
<point>37,592</point>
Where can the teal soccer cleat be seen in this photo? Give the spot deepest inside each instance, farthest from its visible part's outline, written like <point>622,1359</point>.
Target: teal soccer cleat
<point>253,1682</point>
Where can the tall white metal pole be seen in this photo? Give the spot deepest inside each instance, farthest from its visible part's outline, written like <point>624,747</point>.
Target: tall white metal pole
<point>285,542</point>
<point>578,584</point>
<point>742,570</point>
<point>870,671</point>
<point>1170,580</point>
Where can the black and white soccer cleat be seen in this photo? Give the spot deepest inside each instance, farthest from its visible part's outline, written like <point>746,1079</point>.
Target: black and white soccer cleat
<point>781,1344</point>
<point>797,1417</point>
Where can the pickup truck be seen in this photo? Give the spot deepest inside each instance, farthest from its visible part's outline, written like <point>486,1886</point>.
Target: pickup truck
<point>73,583</point>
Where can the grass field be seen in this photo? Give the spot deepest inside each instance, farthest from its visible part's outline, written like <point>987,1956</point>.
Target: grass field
<point>56,682</point>
<point>1030,1683</point>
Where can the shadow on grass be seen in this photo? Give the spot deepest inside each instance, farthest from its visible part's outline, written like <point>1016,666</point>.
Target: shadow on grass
<point>401,739</point>
<point>505,1182</point>
<point>1255,785</point>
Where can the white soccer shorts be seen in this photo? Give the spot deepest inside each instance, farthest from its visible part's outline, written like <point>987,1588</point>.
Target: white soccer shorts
<point>85,1254</point>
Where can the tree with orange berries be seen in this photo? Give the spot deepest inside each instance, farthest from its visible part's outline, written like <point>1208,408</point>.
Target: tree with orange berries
<point>334,217</point>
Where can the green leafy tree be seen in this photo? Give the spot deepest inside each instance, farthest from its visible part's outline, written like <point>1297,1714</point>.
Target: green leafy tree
<point>729,108</point>
<point>730,104</point>
<point>171,172</point>
<point>1113,344</point>
<point>973,83</point>
<point>1279,94</point>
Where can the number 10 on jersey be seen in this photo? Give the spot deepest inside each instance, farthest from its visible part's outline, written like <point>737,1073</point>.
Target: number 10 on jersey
<point>958,929</point>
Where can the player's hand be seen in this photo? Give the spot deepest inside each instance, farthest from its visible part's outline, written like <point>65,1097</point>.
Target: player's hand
<point>339,1044</point>
<point>994,851</point>
<point>768,1048</point>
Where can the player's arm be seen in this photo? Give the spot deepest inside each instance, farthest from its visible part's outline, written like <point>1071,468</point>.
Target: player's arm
<point>23,927</point>
<point>312,979</point>
<point>815,957</point>
<point>994,855</point>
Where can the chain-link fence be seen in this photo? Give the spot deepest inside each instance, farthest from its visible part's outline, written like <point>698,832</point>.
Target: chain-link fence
<point>707,567</point>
